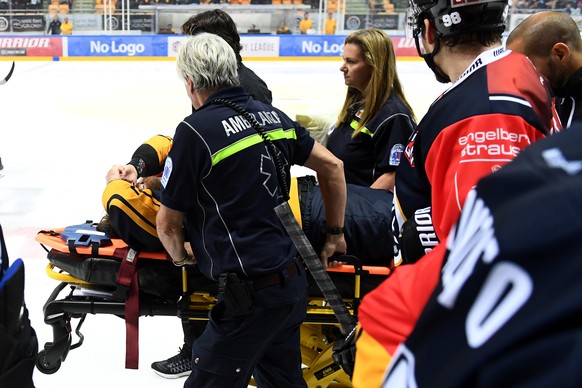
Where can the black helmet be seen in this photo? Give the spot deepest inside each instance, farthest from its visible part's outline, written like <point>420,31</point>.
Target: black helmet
<point>453,17</point>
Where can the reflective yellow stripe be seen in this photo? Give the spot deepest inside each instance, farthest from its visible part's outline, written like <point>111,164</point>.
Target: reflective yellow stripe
<point>250,141</point>
<point>365,130</point>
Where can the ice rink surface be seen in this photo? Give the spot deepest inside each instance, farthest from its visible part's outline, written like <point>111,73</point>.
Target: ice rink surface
<point>63,124</point>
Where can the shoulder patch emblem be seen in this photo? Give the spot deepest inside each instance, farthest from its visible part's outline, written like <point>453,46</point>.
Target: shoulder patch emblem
<point>167,171</point>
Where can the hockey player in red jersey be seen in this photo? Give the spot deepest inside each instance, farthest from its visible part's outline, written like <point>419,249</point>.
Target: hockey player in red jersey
<point>506,311</point>
<point>497,105</point>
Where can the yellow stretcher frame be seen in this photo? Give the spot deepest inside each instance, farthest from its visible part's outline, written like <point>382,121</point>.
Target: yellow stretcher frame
<point>316,347</point>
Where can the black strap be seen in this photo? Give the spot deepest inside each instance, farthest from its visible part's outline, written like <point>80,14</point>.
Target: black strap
<point>273,150</point>
<point>95,248</point>
<point>71,245</point>
<point>49,232</point>
<point>318,271</point>
<point>3,254</point>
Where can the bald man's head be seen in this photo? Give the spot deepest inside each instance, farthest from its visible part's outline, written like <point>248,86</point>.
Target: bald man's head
<point>541,31</point>
<point>552,42</point>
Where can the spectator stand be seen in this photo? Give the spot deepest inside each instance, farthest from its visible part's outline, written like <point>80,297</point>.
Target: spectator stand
<point>149,16</point>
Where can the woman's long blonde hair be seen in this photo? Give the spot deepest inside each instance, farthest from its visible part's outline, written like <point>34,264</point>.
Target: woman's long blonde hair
<point>378,53</point>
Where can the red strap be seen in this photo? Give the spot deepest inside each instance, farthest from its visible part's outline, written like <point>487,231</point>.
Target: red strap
<point>127,268</point>
<point>132,326</point>
<point>127,278</point>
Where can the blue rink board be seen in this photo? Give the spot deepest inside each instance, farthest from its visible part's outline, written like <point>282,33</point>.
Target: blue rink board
<point>166,46</point>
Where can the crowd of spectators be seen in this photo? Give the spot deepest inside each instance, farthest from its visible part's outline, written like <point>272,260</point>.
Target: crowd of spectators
<point>21,4</point>
<point>137,3</point>
<point>571,7</point>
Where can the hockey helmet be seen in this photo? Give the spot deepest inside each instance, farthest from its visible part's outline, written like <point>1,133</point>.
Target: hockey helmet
<point>452,17</point>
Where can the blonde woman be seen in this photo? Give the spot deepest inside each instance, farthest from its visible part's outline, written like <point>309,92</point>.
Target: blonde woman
<point>375,120</point>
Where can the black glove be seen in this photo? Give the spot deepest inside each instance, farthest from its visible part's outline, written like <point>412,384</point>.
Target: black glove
<point>344,352</point>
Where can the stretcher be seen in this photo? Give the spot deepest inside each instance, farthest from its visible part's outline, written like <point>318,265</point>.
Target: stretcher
<point>101,275</point>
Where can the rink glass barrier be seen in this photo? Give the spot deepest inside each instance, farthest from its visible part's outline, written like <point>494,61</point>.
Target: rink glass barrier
<point>262,47</point>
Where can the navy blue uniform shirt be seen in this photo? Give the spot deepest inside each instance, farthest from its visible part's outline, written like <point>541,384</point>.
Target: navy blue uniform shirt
<point>220,174</point>
<point>377,148</point>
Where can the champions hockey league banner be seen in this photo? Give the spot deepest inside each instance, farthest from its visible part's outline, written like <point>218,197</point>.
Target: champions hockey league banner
<point>131,46</point>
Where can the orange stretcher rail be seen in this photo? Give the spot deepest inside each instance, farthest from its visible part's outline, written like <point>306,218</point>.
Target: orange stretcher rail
<point>117,249</point>
<point>51,238</point>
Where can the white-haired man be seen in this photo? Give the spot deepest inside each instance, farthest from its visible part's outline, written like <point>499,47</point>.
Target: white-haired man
<point>221,181</point>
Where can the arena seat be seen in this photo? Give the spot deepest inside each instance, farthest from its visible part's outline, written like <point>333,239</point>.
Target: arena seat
<point>105,8</point>
<point>332,6</point>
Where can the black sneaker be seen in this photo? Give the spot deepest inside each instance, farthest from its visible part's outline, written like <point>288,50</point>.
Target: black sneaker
<point>174,367</point>
<point>1,168</point>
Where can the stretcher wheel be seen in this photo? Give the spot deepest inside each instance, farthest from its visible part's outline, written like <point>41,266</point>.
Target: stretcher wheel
<point>44,366</point>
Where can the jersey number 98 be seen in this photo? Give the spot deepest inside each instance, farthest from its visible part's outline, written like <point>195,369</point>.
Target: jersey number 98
<point>452,18</point>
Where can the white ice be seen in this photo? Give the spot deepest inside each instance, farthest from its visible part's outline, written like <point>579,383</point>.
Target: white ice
<point>63,124</point>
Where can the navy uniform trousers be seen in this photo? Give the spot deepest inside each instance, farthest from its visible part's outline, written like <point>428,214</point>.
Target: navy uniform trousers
<point>263,344</point>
